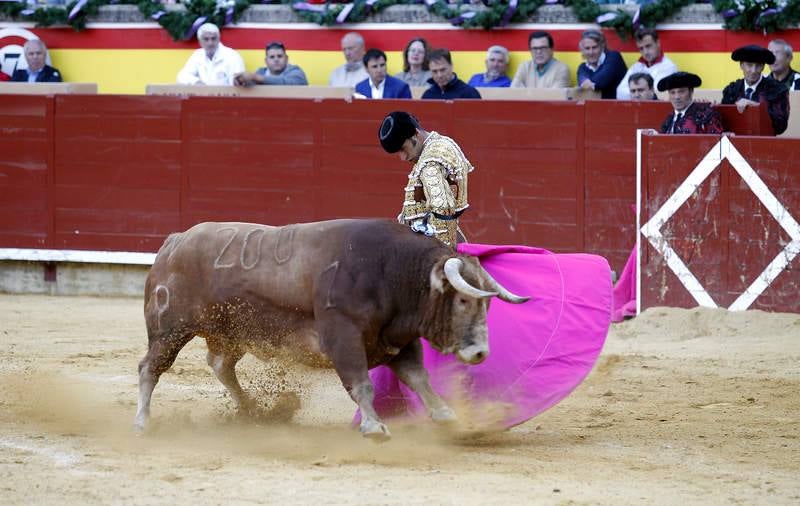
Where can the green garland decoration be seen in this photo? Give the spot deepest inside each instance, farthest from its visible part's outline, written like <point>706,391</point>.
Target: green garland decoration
<point>759,15</point>
<point>754,15</point>
<point>587,11</point>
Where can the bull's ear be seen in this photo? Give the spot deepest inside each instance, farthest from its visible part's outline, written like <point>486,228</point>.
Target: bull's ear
<point>437,277</point>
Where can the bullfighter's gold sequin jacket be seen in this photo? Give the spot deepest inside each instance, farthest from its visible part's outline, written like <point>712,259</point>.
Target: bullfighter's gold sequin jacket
<point>429,192</point>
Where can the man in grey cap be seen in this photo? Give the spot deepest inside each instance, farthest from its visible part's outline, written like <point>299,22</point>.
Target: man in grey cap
<point>755,88</point>
<point>436,193</point>
<point>688,116</point>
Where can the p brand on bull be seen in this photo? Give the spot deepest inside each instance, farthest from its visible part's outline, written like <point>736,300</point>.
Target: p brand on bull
<point>347,294</point>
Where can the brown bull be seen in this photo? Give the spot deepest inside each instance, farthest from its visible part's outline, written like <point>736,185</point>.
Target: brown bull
<point>347,294</point>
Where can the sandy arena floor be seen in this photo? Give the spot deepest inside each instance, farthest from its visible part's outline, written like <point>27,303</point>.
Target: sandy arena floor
<point>695,406</point>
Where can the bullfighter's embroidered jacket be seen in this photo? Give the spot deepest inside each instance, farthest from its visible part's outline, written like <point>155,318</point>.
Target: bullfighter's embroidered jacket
<point>430,193</point>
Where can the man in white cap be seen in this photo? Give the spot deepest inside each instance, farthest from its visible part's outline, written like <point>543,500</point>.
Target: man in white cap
<point>213,64</point>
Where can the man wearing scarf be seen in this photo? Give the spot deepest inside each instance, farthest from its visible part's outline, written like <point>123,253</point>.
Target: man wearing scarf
<point>652,61</point>
<point>352,71</point>
<point>755,89</point>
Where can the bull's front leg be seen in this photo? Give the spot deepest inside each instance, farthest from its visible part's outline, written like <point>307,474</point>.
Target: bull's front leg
<point>344,345</point>
<point>407,366</point>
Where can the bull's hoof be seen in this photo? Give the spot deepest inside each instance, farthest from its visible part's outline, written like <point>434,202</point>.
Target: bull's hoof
<point>139,427</point>
<point>444,415</point>
<point>375,431</point>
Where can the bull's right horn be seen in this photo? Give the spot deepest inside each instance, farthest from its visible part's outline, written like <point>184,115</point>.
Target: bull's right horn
<point>452,271</point>
<point>503,293</point>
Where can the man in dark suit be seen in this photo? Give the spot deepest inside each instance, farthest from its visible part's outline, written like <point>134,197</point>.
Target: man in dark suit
<point>688,117</point>
<point>38,71</point>
<point>602,69</point>
<point>379,84</point>
<point>755,89</point>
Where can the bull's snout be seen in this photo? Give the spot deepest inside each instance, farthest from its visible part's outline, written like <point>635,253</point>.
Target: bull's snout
<point>474,354</point>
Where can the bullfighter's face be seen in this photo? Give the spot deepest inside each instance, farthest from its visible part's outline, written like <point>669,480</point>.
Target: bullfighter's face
<point>752,71</point>
<point>411,149</point>
<point>680,98</point>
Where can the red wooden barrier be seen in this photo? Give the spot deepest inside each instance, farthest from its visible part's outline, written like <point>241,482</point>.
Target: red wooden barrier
<point>26,175</point>
<point>725,233</point>
<point>119,173</point>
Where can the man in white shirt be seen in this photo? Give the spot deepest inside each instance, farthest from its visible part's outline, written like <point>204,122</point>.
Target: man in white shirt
<point>652,61</point>
<point>353,71</point>
<point>213,64</point>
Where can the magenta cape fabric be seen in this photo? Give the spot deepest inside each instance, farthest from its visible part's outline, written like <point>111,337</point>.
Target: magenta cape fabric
<point>539,351</point>
<point>625,291</point>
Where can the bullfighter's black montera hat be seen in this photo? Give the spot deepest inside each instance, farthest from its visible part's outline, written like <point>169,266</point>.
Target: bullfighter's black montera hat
<point>396,127</point>
<point>679,80</point>
<point>753,54</point>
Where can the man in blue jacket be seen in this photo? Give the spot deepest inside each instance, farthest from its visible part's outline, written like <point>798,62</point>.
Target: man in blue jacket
<point>38,71</point>
<point>379,84</point>
<point>602,69</point>
<point>445,84</point>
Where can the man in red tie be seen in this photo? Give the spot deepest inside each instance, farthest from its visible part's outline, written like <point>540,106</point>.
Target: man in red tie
<point>688,116</point>
<point>755,88</point>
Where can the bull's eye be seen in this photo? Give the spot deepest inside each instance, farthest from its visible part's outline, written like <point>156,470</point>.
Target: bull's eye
<point>462,301</point>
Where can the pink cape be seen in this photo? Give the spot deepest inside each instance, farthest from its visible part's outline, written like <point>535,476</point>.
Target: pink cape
<point>625,291</point>
<point>539,351</point>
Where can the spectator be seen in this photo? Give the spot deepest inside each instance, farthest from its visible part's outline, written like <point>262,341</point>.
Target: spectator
<point>640,87</point>
<point>497,59</point>
<point>378,84</point>
<point>278,70</point>
<point>38,70</point>
<point>445,84</point>
<point>755,88</point>
<point>603,69</point>
<point>415,63</point>
<point>352,71</point>
<point>652,61</point>
<point>542,70</point>
<point>688,117</point>
<point>782,70</point>
<point>214,64</point>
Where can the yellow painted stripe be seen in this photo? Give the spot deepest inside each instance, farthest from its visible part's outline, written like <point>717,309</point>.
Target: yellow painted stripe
<point>128,71</point>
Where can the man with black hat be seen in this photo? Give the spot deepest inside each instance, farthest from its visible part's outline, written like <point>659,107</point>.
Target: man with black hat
<point>756,88</point>
<point>436,193</point>
<point>688,117</point>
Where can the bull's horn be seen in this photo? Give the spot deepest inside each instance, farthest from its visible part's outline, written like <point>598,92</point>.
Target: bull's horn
<point>503,293</point>
<point>452,271</point>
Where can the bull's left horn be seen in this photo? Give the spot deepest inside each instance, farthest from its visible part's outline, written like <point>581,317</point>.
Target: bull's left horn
<point>503,293</point>
<point>452,271</point>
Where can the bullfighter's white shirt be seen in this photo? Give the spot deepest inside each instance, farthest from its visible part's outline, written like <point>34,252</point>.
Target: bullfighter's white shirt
<point>218,71</point>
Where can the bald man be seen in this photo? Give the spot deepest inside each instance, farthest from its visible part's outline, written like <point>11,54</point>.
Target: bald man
<point>353,71</point>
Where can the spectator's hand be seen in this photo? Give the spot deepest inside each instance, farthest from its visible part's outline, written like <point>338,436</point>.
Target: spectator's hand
<point>242,79</point>
<point>587,84</point>
<point>743,104</point>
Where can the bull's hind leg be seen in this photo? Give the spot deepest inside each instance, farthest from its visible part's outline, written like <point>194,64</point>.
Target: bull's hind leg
<point>160,356</point>
<point>223,361</point>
